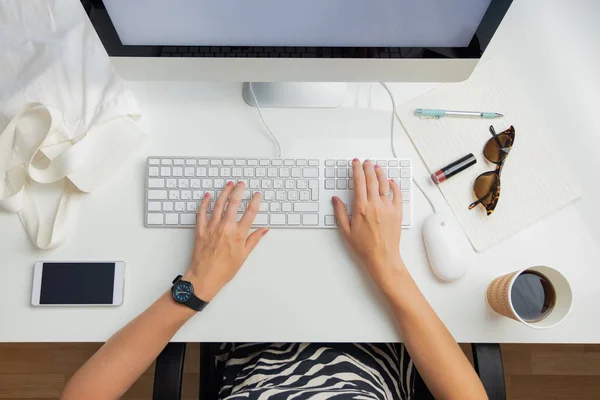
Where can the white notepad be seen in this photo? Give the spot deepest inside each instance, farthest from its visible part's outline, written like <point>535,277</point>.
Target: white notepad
<point>534,180</point>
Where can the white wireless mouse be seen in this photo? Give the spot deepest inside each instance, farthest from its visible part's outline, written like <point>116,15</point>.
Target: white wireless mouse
<point>445,245</point>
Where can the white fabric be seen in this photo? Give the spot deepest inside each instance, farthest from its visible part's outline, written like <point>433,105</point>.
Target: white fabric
<point>68,116</point>
<point>534,183</point>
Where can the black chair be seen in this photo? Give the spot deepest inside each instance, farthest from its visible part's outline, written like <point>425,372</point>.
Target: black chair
<point>168,376</point>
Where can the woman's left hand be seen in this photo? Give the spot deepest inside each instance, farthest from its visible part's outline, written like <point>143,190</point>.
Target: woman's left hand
<point>222,243</point>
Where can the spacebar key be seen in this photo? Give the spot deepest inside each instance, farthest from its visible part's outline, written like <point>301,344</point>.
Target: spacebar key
<point>306,207</point>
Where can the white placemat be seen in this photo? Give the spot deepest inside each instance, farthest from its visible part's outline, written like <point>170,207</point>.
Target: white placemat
<point>534,180</point>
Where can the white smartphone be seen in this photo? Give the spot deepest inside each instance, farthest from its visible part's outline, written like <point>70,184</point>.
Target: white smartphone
<point>78,283</point>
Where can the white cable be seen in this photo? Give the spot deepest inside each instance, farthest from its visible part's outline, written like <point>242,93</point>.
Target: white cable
<point>389,92</point>
<point>263,121</point>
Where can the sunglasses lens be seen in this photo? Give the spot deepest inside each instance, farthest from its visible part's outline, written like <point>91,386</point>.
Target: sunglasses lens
<point>487,190</point>
<point>496,148</point>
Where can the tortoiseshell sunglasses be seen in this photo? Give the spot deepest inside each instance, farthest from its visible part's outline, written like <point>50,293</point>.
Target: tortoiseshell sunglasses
<point>487,185</point>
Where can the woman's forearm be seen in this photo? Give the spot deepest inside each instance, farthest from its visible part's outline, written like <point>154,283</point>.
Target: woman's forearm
<point>438,358</point>
<point>129,352</point>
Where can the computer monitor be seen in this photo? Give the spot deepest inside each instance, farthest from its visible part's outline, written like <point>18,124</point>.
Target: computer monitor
<point>296,41</point>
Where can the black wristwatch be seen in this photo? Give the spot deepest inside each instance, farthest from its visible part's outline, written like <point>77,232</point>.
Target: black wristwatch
<point>183,293</point>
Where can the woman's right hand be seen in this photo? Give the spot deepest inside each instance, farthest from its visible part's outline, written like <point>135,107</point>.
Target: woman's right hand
<point>376,225</point>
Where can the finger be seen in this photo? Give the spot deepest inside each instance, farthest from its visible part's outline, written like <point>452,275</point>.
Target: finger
<point>254,238</point>
<point>219,207</point>
<point>342,215</point>
<point>360,188</point>
<point>371,180</point>
<point>234,202</point>
<point>384,184</point>
<point>397,194</point>
<point>250,214</point>
<point>202,215</point>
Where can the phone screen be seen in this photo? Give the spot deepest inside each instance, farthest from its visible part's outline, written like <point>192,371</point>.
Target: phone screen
<point>77,283</point>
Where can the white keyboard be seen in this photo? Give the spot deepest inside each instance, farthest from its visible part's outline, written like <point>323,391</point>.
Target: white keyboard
<point>296,193</point>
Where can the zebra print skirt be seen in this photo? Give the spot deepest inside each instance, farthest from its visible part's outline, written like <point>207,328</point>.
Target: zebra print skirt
<point>315,371</point>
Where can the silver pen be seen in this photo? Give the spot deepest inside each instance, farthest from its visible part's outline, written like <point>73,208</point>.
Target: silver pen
<point>426,112</point>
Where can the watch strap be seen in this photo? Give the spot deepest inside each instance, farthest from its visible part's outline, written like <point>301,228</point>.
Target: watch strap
<point>196,304</point>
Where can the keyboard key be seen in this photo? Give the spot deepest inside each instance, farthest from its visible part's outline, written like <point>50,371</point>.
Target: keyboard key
<point>252,162</point>
<point>213,171</point>
<point>329,173</point>
<point>261,172</point>
<point>179,206</point>
<point>272,172</point>
<point>284,172</point>
<point>313,185</point>
<point>155,219</point>
<point>165,171</point>
<point>189,171</point>
<point>157,194</point>
<point>393,173</point>
<point>275,207</point>
<point>195,183</point>
<point>280,195</point>
<point>310,172</point>
<point>267,184</point>
<point>277,219</point>
<point>179,161</point>
<point>219,183</point>
<point>341,184</point>
<point>406,217</point>
<point>192,206</point>
<point>191,161</point>
<point>310,219</point>
<point>304,195</point>
<point>269,195</point>
<point>292,195</point>
<point>330,163</point>
<point>197,195</point>
<point>246,195</point>
<point>166,161</point>
<point>301,163</point>
<point>156,183</point>
<point>290,184</point>
<point>342,172</point>
<point>405,163</point>
<point>225,172</point>
<point>201,171</point>
<point>405,184</point>
<point>393,163</point>
<point>278,183</point>
<point>313,163</point>
<point>183,183</point>
<point>405,173</point>
<point>285,207</point>
<point>296,172</point>
<point>330,220</point>
<point>203,161</point>
<point>264,162</point>
<point>261,220</point>
<point>351,184</point>
<point>341,163</point>
<point>329,184</point>
<point>167,206</point>
<point>277,162</point>
<point>382,163</point>
<point>288,162</point>
<point>171,219</point>
<point>263,207</point>
<point>153,171</point>
<point>155,206</point>
<point>248,172</point>
<point>240,162</point>
<point>306,207</point>
<point>153,161</point>
<point>254,184</point>
<point>186,195</point>
<point>207,183</point>
<point>177,171</point>
<point>293,219</point>
<point>188,219</point>
<point>227,162</point>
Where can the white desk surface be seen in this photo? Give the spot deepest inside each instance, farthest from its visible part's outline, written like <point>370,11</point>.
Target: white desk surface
<point>302,285</point>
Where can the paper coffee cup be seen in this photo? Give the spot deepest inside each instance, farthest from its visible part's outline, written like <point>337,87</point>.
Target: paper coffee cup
<point>499,297</point>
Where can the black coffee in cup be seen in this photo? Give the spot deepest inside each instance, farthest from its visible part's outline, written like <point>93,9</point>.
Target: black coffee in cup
<point>532,296</point>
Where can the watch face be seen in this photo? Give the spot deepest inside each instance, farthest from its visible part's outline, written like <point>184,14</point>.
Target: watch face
<point>182,291</point>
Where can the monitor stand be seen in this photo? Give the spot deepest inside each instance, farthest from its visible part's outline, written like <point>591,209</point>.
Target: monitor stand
<point>292,94</point>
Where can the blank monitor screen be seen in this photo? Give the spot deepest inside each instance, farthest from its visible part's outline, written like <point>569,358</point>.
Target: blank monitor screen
<point>320,23</point>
